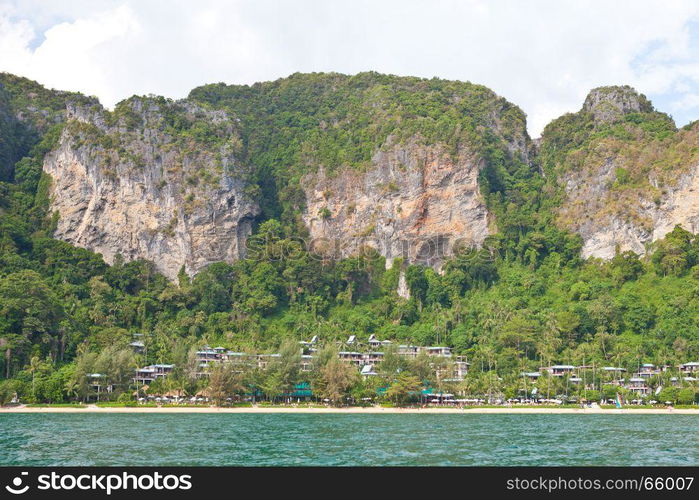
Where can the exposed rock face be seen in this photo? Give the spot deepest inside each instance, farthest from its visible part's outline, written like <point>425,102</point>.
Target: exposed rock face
<point>415,202</point>
<point>628,188</point>
<point>638,226</point>
<point>403,290</point>
<point>608,104</point>
<point>122,184</point>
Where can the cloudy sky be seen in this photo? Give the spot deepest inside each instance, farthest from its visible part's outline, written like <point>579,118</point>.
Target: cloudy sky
<point>542,55</point>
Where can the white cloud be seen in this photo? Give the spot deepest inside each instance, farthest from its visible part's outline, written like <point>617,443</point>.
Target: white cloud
<point>542,55</point>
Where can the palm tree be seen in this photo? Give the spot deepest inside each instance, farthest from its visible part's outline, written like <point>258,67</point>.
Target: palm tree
<point>34,365</point>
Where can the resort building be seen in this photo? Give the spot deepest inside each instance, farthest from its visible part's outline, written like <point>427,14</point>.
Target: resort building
<point>648,370</point>
<point>638,386</point>
<point>353,357</point>
<point>306,363</point>
<point>145,375</point>
<point>613,369</point>
<point>691,367</point>
<point>312,342</point>
<point>558,370</point>
<point>368,371</point>
<point>207,355</point>
<point>138,346</point>
<point>444,352</point>
<point>461,367</point>
<point>409,351</point>
<point>150,373</point>
<point>97,383</point>
<point>373,358</point>
<point>263,360</point>
<point>374,343</point>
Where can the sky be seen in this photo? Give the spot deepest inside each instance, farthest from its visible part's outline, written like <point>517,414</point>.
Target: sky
<point>542,55</point>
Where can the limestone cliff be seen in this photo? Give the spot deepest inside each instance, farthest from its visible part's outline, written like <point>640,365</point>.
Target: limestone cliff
<point>414,202</point>
<point>155,179</point>
<point>631,179</point>
<point>394,163</point>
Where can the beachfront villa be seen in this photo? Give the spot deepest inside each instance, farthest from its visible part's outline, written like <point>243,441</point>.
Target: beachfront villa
<point>96,381</point>
<point>151,373</point>
<point>638,386</point>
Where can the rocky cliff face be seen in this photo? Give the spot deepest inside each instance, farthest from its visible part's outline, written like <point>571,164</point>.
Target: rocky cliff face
<point>610,104</point>
<point>374,160</point>
<point>155,180</point>
<point>414,202</point>
<point>642,222</point>
<point>633,179</point>
<point>368,161</point>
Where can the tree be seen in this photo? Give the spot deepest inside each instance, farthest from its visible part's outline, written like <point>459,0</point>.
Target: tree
<point>223,383</point>
<point>78,385</point>
<point>392,363</point>
<point>686,396</point>
<point>117,365</point>
<point>334,379</point>
<point>31,312</point>
<point>673,254</point>
<point>417,283</point>
<point>272,384</point>
<point>422,366</point>
<point>406,387</point>
<point>282,372</point>
<point>669,394</point>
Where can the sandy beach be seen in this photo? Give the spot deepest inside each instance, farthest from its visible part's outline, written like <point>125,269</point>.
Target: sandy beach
<point>354,410</point>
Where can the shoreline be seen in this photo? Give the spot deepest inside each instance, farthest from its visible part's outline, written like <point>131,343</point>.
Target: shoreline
<point>358,410</point>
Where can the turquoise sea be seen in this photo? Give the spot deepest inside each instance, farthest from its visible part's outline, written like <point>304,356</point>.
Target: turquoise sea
<point>358,439</point>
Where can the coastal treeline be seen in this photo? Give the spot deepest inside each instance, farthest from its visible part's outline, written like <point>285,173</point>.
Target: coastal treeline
<point>65,313</point>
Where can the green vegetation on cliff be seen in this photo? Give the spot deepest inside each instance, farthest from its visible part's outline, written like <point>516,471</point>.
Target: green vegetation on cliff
<point>618,152</point>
